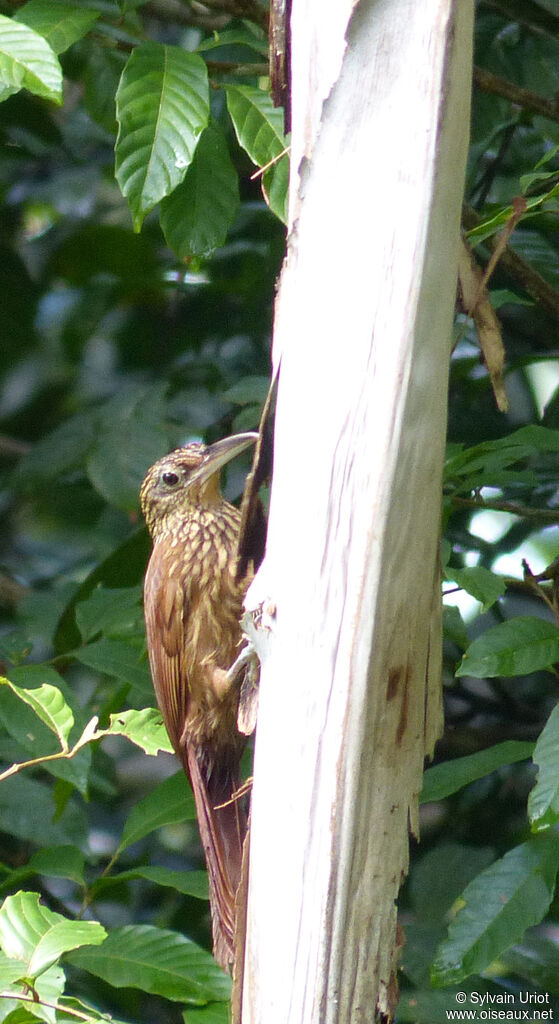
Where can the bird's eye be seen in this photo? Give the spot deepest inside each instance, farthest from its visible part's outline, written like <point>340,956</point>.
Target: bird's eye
<point>170,478</point>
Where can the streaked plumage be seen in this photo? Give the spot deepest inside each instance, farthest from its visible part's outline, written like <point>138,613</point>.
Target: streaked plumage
<point>193,606</point>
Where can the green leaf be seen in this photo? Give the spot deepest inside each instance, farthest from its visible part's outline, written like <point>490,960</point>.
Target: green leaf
<point>10,970</point>
<point>48,987</point>
<point>480,464</point>
<point>535,960</point>
<point>440,876</point>
<point>443,779</point>
<point>482,584</point>
<point>37,733</point>
<point>499,905</point>
<point>36,936</point>
<point>124,567</point>
<point>117,658</point>
<point>27,811</point>
<point>513,648</point>
<point>190,883</point>
<point>60,451</point>
<point>129,440</point>
<point>109,611</point>
<point>248,390</point>
<point>170,802</point>
<point>418,1006</point>
<point>453,626</point>
<point>49,705</point>
<point>275,187</point>
<point>27,62</point>
<point>213,1013</point>
<point>144,728</point>
<point>543,801</point>
<point>162,106</point>
<point>59,862</point>
<point>196,217</point>
<point>53,862</point>
<point>61,24</point>
<point>235,37</point>
<point>259,129</point>
<point>102,75</point>
<point>158,961</point>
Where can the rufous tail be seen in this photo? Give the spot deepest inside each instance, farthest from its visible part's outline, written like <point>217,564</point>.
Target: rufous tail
<point>222,820</point>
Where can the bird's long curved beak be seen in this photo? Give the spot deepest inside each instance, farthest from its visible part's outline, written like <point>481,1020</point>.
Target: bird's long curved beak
<point>219,454</point>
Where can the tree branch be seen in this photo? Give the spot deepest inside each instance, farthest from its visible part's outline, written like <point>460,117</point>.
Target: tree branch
<point>545,515</point>
<point>237,9</point>
<point>231,67</point>
<point>524,98</point>
<point>529,279</point>
<point>180,14</point>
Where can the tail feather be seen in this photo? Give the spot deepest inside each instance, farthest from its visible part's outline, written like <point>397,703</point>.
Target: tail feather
<point>223,824</point>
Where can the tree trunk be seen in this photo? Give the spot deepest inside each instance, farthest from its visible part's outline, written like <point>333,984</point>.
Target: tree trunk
<point>349,590</point>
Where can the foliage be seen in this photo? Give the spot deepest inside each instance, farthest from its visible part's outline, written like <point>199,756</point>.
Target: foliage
<point>480,905</point>
<point>138,258</point>
<point>138,255</point>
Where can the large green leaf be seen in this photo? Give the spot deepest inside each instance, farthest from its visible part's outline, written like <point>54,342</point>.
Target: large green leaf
<point>513,648</point>
<point>543,802</point>
<point>27,62</point>
<point>109,611</point>
<point>124,567</point>
<point>61,24</point>
<point>259,129</point>
<point>49,705</point>
<point>162,106</point>
<point>443,779</point>
<point>170,802</point>
<point>59,862</point>
<point>41,721</point>
<point>27,810</point>
<point>129,440</point>
<point>120,659</point>
<point>482,584</point>
<point>144,728</point>
<point>190,883</point>
<point>36,936</point>
<point>53,862</point>
<point>158,961</point>
<point>48,987</point>
<point>498,906</point>
<point>196,217</point>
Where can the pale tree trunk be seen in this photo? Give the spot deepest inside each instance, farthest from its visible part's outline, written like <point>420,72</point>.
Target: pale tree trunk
<point>349,590</point>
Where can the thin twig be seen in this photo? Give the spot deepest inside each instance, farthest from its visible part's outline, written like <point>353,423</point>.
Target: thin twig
<point>546,515</point>
<point>239,9</point>
<point>524,98</point>
<point>69,1010</point>
<point>89,734</point>
<point>232,67</point>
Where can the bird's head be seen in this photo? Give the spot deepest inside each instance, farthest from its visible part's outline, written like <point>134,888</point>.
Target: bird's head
<point>187,477</point>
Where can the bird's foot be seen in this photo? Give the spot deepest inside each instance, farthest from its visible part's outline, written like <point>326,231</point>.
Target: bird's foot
<point>247,663</point>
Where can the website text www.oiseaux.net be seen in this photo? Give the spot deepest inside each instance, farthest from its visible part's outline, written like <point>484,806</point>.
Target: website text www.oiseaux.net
<point>486,1006</point>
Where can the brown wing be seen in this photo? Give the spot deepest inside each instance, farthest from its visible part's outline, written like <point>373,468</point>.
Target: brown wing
<point>165,609</point>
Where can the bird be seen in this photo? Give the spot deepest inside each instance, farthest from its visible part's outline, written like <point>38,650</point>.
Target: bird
<point>193,600</point>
